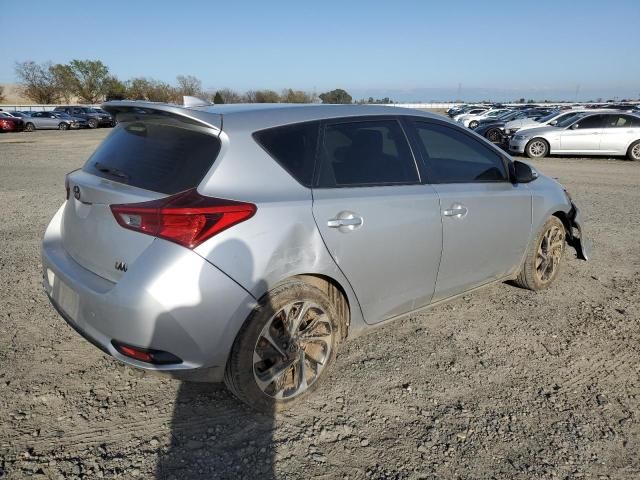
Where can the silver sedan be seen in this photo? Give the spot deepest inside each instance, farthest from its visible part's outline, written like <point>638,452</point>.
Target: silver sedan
<point>245,243</point>
<point>589,134</point>
<point>49,121</point>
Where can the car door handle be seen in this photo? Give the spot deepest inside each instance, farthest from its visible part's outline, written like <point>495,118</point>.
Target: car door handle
<point>344,222</point>
<point>456,210</point>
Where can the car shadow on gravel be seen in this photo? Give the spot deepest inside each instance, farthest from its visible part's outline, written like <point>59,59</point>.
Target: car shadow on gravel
<point>213,434</point>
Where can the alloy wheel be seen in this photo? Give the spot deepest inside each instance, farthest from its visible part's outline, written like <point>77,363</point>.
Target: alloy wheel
<point>635,151</point>
<point>292,350</point>
<point>538,148</point>
<point>549,253</point>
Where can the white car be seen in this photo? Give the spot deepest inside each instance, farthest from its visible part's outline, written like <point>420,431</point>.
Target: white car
<point>472,121</point>
<point>474,111</point>
<point>589,133</point>
<point>549,120</point>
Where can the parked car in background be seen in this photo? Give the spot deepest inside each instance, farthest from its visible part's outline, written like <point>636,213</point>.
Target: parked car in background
<point>470,112</point>
<point>589,134</point>
<point>494,129</point>
<point>472,121</point>
<point>21,115</point>
<point>244,243</point>
<point>49,121</point>
<point>93,117</point>
<point>550,119</point>
<point>9,123</point>
<point>77,122</point>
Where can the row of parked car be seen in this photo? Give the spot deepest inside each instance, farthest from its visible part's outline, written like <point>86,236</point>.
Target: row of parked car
<point>538,131</point>
<point>70,117</point>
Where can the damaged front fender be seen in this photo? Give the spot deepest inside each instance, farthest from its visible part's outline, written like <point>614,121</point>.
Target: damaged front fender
<point>576,235</point>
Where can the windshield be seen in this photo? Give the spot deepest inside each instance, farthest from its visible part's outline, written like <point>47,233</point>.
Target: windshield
<point>569,119</point>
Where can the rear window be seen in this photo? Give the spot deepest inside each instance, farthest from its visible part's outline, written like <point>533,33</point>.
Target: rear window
<point>293,147</point>
<point>162,158</point>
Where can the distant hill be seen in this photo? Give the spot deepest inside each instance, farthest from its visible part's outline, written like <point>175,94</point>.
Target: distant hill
<point>12,95</point>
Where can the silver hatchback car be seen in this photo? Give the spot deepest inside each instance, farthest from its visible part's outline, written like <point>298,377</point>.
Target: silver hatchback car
<point>244,243</point>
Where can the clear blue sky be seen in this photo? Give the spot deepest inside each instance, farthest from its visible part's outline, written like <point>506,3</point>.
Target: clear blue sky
<point>405,49</point>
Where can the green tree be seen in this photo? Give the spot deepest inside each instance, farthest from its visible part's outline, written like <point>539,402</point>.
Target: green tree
<point>295,96</point>
<point>65,81</point>
<point>115,89</point>
<point>141,88</point>
<point>217,98</point>
<point>38,82</point>
<point>336,96</point>
<point>89,79</point>
<point>266,96</point>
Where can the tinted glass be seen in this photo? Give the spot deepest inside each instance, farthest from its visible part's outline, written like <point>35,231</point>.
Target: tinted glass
<point>617,121</point>
<point>158,157</point>
<point>452,156</point>
<point>293,147</point>
<point>569,119</point>
<point>366,153</point>
<point>594,121</point>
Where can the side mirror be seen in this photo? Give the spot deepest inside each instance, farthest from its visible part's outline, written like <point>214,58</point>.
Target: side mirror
<point>553,122</point>
<point>523,172</point>
<point>574,126</point>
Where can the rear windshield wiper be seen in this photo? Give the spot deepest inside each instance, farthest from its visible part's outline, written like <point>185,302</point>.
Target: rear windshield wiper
<point>114,172</point>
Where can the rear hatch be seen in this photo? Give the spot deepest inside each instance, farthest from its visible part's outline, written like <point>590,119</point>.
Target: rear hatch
<point>150,155</point>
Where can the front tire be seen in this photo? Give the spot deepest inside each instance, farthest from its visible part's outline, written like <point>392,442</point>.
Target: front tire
<point>93,123</point>
<point>473,124</point>
<point>494,135</point>
<point>285,347</point>
<point>29,127</point>
<point>63,126</point>
<point>634,151</point>
<point>537,148</point>
<point>544,255</point>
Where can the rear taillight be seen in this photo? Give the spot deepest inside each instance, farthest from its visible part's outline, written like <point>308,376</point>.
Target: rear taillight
<point>186,218</point>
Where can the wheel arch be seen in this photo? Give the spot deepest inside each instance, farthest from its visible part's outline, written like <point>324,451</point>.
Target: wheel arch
<point>336,293</point>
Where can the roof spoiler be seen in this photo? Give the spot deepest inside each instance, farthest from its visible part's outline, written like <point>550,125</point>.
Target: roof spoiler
<point>138,109</point>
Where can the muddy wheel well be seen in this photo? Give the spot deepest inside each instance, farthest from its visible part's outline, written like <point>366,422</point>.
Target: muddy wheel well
<point>336,294</point>
<point>565,221</point>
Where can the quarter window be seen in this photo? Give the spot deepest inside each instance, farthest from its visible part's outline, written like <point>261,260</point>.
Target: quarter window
<point>452,156</point>
<point>293,147</point>
<point>617,121</point>
<point>366,153</point>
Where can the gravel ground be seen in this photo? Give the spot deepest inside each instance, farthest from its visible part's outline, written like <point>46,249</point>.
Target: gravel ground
<point>501,383</point>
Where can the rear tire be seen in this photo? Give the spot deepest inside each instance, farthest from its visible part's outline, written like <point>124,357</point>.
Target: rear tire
<point>537,148</point>
<point>542,263</point>
<point>634,151</point>
<point>276,361</point>
<point>29,127</point>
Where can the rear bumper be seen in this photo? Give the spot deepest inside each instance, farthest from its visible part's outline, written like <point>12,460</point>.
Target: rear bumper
<point>170,299</point>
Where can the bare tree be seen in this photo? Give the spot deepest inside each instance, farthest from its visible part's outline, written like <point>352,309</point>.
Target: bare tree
<point>38,82</point>
<point>1,93</point>
<point>231,96</point>
<point>189,85</point>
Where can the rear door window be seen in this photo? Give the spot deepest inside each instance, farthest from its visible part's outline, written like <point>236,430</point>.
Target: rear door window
<point>452,156</point>
<point>366,153</point>
<point>155,156</point>
<point>293,147</point>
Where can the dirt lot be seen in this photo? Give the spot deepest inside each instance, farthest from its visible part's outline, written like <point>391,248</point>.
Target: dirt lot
<point>502,383</point>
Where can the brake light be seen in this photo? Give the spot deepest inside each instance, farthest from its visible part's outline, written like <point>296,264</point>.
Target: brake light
<point>186,218</point>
